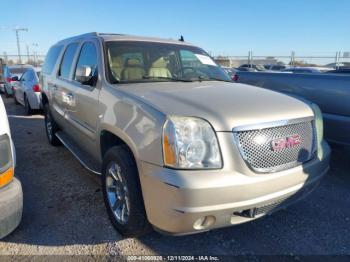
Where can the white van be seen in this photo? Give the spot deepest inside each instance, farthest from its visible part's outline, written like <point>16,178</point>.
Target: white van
<point>11,196</point>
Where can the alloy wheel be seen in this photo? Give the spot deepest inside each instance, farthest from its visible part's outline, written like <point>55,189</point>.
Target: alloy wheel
<point>117,193</point>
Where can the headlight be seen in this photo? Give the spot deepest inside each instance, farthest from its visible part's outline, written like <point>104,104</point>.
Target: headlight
<point>319,128</point>
<point>190,143</point>
<point>6,164</point>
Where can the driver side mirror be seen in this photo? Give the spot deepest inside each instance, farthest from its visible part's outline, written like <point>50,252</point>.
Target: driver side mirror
<point>14,78</point>
<point>84,75</point>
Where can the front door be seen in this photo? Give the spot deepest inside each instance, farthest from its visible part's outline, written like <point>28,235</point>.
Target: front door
<point>87,97</point>
<point>64,90</point>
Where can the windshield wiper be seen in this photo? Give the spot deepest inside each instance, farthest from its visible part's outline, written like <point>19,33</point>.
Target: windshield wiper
<point>202,78</point>
<point>175,79</point>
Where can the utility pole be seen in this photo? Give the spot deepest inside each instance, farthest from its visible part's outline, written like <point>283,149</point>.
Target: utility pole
<point>17,29</point>
<point>35,53</point>
<point>292,59</point>
<point>5,57</point>
<point>27,47</point>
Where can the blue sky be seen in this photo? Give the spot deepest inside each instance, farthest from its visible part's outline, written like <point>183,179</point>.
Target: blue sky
<point>268,27</point>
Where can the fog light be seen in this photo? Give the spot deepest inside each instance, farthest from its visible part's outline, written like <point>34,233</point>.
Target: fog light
<point>204,222</point>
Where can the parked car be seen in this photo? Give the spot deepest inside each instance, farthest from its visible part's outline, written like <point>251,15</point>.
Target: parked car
<point>339,71</point>
<point>2,80</point>
<point>306,70</point>
<point>331,92</point>
<point>27,90</point>
<point>251,67</point>
<point>177,144</point>
<point>231,71</point>
<point>11,197</point>
<point>276,67</point>
<point>11,75</point>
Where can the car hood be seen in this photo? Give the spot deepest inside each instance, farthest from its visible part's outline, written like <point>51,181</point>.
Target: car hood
<point>224,105</point>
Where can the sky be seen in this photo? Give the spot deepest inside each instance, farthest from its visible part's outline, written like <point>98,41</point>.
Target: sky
<point>227,27</point>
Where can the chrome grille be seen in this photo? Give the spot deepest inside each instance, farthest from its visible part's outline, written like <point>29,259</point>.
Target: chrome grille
<point>256,146</point>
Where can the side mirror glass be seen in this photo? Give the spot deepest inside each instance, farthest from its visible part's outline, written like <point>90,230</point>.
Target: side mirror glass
<point>14,78</point>
<point>84,75</point>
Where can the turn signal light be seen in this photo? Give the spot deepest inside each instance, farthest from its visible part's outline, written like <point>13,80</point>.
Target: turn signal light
<point>6,177</point>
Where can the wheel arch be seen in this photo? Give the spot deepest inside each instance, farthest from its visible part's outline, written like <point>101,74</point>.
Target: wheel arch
<point>44,99</point>
<point>109,139</point>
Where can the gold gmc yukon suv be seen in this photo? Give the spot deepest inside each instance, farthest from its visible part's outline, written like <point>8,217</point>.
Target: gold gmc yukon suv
<point>178,146</point>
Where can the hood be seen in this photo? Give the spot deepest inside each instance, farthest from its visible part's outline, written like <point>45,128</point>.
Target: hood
<point>224,105</point>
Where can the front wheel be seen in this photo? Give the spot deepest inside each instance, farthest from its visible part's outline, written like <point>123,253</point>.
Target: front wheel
<point>122,192</point>
<point>51,127</point>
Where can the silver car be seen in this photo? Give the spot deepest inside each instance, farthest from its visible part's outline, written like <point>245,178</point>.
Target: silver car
<point>177,144</point>
<point>27,90</point>
<point>11,76</point>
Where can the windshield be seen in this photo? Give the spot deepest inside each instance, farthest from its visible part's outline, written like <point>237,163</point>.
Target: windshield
<point>131,62</point>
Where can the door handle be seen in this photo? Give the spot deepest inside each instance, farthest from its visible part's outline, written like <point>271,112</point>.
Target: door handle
<point>68,98</point>
<point>69,95</point>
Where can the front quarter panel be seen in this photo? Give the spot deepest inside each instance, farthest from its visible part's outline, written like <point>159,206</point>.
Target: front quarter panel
<point>138,124</point>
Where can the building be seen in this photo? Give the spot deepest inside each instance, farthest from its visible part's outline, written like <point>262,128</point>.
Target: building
<point>238,61</point>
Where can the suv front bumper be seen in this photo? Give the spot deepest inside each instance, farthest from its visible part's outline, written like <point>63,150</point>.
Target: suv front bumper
<point>181,202</point>
<point>11,205</point>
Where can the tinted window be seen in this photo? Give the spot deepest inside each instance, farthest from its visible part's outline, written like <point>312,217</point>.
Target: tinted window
<point>24,76</point>
<point>67,60</point>
<point>29,75</point>
<point>88,57</point>
<point>18,70</point>
<point>51,59</point>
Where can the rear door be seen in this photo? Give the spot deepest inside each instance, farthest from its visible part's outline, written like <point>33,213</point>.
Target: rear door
<point>48,76</point>
<point>86,97</point>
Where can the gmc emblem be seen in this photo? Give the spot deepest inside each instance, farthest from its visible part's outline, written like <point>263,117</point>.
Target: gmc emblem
<point>287,142</point>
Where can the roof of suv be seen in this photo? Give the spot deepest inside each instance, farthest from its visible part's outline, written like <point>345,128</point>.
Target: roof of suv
<point>123,37</point>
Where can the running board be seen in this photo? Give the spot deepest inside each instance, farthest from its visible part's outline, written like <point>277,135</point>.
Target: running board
<point>79,154</point>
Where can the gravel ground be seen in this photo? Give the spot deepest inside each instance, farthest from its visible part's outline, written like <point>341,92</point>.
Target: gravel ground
<point>64,211</point>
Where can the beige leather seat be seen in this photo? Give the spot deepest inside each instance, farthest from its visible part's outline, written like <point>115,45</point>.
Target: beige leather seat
<point>132,70</point>
<point>159,69</point>
<point>116,66</point>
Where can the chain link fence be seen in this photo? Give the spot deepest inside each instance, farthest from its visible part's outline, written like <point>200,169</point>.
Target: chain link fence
<point>336,60</point>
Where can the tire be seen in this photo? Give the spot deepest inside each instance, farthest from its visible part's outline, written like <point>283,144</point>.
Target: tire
<point>51,127</point>
<point>120,160</point>
<point>27,107</point>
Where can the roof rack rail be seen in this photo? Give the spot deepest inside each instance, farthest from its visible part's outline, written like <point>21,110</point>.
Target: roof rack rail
<point>109,34</point>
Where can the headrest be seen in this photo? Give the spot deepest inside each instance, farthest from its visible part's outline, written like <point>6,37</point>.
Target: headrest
<point>132,62</point>
<point>160,63</point>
